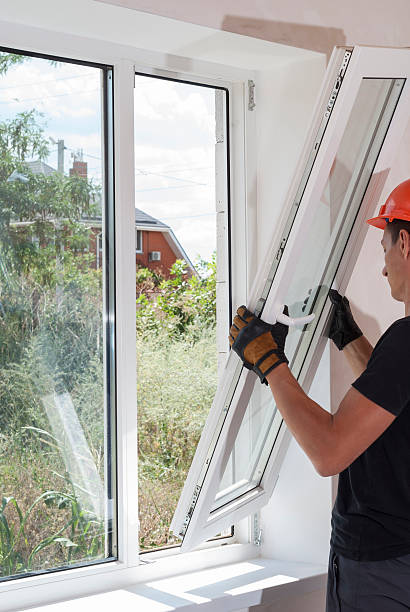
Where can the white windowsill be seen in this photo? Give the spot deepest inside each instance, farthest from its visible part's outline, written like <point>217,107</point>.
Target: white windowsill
<point>224,588</point>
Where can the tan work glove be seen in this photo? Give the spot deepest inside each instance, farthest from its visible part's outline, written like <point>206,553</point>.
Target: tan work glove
<point>261,346</point>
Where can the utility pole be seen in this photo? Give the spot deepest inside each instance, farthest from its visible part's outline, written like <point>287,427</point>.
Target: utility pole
<point>60,148</point>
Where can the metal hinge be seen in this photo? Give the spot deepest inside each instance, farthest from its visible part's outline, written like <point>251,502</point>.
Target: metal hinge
<point>257,531</point>
<point>190,511</point>
<point>251,95</point>
<point>338,83</point>
<point>281,248</point>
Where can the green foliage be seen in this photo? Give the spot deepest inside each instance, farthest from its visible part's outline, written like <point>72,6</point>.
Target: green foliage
<point>47,208</point>
<point>50,341</point>
<point>20,138</point>
<point>84,533</point>
<point>175,387</point>
<point>176,380</point>
<point>7,60</point>
<point>176,383</point>
<point>179,304</point>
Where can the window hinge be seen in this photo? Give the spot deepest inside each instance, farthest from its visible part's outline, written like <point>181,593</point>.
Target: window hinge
<point>251,95</point>
<point>257,531</point>
<point>281,248</point>
<point>190,511</point>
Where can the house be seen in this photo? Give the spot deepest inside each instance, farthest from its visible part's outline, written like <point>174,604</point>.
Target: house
<point>276,559</point>
<point>156,246</point>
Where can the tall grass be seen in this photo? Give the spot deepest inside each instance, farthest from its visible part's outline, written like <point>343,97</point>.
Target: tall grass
<point>175,387</point>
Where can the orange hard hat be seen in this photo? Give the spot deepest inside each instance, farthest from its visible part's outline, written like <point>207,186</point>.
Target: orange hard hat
<point>397,206</point>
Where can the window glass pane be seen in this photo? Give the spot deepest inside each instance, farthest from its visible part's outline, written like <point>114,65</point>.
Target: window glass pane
<point>180,146</point>
<point>55,355</point>
<point>325,239</point>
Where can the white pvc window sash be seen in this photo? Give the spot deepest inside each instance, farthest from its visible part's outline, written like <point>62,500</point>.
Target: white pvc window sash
<point>363,87</point>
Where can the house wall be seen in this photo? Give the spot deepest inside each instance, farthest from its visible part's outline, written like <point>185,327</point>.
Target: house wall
<point>155,241</point>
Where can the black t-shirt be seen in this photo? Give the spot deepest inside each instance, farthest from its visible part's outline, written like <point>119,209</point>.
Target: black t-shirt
<point>371,516</point>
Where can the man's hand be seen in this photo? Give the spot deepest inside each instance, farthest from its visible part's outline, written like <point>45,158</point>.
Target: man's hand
<point>261,346</point>
<point>343,327</point>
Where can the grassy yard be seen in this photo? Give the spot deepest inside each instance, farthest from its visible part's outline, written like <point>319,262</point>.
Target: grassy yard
<point>176,385</point>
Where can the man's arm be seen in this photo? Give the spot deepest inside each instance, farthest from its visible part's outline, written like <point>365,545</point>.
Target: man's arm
<point>332,442</point>
<point>358,354</point>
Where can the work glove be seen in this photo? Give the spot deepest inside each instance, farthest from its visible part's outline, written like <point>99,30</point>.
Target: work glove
<point>343,327</point>
<point>261,346</point>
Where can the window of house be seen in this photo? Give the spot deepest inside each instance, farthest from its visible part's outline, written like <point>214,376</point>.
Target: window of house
<point>181,183</point>
<point>57,381</point>
<point>138,241</point>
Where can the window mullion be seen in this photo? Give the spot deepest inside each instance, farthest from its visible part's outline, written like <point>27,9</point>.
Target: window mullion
<point>125,312</point>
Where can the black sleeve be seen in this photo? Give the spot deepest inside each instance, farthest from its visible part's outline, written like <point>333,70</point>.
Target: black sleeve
<point>386,380</point>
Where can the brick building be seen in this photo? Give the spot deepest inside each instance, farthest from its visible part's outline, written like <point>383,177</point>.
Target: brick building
<point>156,246</point>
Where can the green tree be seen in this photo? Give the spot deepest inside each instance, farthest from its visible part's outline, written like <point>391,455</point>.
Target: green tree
<point>7,60</point>
<point>179,304</point>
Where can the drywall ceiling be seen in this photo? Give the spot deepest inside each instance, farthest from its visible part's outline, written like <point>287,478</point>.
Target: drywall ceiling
<point>317,25</point>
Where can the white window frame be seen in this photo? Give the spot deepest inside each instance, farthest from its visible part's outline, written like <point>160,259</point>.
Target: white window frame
<point>138,238</point>
<point>194,519</point>
<point>65,584</point>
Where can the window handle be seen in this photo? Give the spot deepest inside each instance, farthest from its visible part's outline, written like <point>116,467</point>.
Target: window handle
<point>278,316</point>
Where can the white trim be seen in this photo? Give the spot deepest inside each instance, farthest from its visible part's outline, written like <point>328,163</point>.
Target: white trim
<point>228,588</point>
<point>42,590</point>
<point>125,320</point>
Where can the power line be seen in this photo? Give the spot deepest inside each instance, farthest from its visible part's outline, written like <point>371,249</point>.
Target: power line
<point>212,214</point>
<point>171,187</point>
<point>78,76</point>
<point>174,178</point>
<point>74,93</point>
<point>184,169</point>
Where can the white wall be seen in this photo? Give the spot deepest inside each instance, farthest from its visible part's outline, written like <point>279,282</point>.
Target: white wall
<point>310,24</point>
<point>296,523</point>
<point>285,101</point>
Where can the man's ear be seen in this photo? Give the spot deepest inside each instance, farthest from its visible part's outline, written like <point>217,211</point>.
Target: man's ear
<point>404,243</point>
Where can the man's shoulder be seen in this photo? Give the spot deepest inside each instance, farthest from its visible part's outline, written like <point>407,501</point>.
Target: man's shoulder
<point>395,337</point>
<point>397,327</point>
<point>403,322</point>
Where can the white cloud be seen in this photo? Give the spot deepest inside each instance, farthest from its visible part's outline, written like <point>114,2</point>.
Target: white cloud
<point>65,90</point>
<point>175,138</point>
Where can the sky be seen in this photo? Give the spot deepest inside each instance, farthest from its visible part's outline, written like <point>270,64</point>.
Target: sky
<point>174,139</point>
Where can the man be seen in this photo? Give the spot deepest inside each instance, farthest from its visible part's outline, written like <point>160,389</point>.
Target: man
<point>367,441</point>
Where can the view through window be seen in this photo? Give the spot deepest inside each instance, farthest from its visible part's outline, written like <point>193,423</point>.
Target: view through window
<point>181,225</point>
<point>55,286</point>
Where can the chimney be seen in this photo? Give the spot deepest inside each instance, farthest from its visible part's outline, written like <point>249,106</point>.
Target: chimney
<point>79,169</point>
<point>79,166</point>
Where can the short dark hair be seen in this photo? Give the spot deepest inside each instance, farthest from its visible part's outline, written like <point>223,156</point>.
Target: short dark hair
<point>395,226</point>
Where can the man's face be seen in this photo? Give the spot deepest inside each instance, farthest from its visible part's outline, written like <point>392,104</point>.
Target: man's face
<point>393,266</point>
